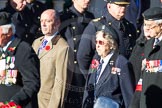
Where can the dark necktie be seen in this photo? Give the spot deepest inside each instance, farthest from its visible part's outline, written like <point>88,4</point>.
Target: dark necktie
<point>137,3</point>
<point>121,27</point>
<point>99,70</point>
<point>156,41</point>
<point>42,45</point>
<point>1,52</point>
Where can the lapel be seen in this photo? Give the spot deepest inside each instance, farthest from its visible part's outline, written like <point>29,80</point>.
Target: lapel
<point>12,47</point>
<point>107,71</point>
<point>49,46</point>
<point>105,76</point>
<point>149,47</point>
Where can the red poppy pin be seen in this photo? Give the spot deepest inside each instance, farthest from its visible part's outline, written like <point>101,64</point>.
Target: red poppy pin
<point>11,49</point>
<point>47,47</point>
<point>94,65</point>
<point>9,105</point>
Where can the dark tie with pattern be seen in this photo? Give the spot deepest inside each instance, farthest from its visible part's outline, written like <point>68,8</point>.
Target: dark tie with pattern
<point>121,26</point>
<point>1,52</point>
<point>99,70</point>
<point>42,45</point>
<point>156,41</point>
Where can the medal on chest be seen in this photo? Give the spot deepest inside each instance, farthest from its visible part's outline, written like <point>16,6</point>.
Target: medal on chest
<point>8,73</point>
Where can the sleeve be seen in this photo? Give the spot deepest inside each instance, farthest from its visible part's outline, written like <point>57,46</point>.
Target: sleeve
<point>59,90</point>
<point>86,48</point>
<point>28,66</point>
<point>126,81</point>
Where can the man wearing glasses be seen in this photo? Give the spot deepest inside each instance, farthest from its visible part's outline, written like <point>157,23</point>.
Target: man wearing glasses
<point>113,22</point>
<point>150,83</point>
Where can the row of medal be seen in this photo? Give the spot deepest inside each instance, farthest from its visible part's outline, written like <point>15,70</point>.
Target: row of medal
<point>154,65</point>
<point>9,75</point>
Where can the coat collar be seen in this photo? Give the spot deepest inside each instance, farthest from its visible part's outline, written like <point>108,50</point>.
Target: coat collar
<point>149,50</point>
<point>49,45</point>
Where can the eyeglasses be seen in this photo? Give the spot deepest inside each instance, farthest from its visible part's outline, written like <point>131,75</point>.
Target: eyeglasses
<point>100,42</point>
<point>150,26</point>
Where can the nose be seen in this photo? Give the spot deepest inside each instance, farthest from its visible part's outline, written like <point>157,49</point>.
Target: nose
<point>42,23</point>
<point>24,2</point>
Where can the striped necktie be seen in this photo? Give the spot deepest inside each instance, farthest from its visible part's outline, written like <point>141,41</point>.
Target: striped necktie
<point>44,43</point>
<point>99,70</point>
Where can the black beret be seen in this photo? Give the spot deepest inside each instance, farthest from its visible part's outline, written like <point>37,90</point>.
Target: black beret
<point>154,13</point>
<point>5,18</point>
<point>119,2</point>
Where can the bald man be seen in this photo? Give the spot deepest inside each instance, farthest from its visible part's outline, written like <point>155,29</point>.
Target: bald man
<point>53,52</point>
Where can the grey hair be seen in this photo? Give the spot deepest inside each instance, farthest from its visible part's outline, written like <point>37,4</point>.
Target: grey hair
<point>111,41</point>
<point>5,28</point>
<point>158,21</point>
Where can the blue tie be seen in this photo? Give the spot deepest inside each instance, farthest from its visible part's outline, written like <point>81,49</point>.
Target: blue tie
<point>99,70</point>
<point>137,3</point>
<point>42,45</point>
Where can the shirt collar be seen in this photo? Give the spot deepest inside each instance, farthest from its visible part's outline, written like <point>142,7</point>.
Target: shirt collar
<point>6,46</point>
<point>107,58</point>
<point>49,38</point>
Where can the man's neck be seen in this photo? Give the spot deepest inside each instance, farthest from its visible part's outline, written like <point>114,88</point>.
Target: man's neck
<point>79,9</point>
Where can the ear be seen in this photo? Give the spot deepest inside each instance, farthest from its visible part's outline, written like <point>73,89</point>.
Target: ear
<point>10,33</point>
<point>108,5</point>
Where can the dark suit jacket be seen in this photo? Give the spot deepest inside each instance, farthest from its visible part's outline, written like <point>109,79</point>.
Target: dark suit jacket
<point>24,92</point>
<point>120,88</point>
<point>137,56</point>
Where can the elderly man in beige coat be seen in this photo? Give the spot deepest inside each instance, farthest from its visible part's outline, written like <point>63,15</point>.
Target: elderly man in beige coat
<point>53,52</point>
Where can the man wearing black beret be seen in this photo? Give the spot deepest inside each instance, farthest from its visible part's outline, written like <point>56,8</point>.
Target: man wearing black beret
<point>150,84</point>
<point>19,67</point>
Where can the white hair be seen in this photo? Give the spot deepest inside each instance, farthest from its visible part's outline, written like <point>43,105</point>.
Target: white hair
<point>5,28</point>
<point>158,21</point>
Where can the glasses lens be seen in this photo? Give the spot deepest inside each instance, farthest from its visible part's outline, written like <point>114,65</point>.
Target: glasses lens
<point>100,42</point>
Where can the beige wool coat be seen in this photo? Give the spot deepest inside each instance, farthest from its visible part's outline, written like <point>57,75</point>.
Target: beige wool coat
<point>54,63</point>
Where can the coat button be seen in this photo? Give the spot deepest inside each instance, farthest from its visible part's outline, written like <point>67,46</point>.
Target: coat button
<point>109,23</point>
<point>74,39</point>
<point>73,27</point>
<point>75,50</point>
<point>26,25</point>
<point>26,35</point>
<point>130,35</point>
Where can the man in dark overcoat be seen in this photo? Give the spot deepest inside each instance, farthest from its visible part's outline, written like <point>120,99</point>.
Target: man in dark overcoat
<point>150,85</point>
<point>36,7</point>
<point>19,68</point>
<point>74,20</point>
